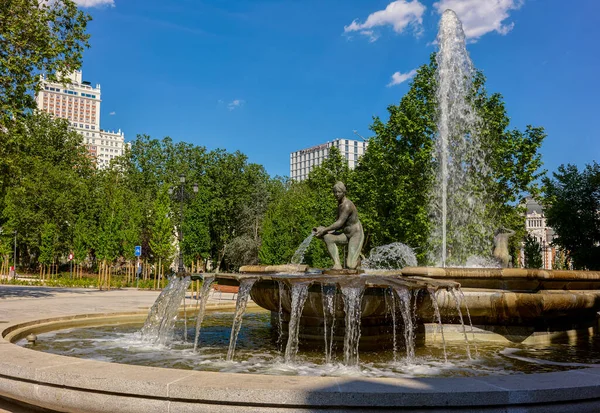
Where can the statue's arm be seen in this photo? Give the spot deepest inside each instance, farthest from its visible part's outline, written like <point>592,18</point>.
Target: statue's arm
<point>339,223</point>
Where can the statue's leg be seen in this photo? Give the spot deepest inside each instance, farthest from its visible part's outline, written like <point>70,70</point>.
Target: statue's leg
<point>331,240</point>
<point>355,244</point>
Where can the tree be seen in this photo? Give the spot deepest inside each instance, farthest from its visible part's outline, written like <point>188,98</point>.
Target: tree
<point>289,219</point>
<point>301,207</point>
<point>51,184</point>
<point>393,180</point>
<point>48,243</point>
<point>35,37</point>
<point>532,252</point>
<point>572,207</point>
<point>161,229</point>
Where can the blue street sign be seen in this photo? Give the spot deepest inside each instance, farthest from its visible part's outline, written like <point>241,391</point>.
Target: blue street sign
<point>138,250</point>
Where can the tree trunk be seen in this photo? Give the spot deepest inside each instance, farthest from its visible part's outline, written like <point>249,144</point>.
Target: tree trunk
<point>109,277</point>
<point>100,275</point>
<point>160,274</point>
<point>221,256</point>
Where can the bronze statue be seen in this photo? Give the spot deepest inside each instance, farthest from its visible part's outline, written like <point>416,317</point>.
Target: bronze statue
<point>346,230</point>
<point>501,246</point>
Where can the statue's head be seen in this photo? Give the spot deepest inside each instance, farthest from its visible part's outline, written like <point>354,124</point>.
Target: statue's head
<point>339,190</point>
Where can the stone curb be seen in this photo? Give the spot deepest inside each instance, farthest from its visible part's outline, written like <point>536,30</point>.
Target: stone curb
<point>68,384</point>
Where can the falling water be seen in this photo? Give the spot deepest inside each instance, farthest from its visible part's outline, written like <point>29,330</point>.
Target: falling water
<point>203,299</point>
<point>462,323</point>
<point>352,306</point>
<point>461,295</point>
<point>298,256</point>
<point>281,289</point>
<point>328,294</point>
<point>407,316</point>
<point>458,203</point>
<point>158,328</point>
<point>240,309</point>
<point>438,317</point>
<point>391,308</point>
<point>299,295</point>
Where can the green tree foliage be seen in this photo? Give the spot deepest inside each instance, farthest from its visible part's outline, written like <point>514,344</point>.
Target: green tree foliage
<point>83,238</point>
<point>51,185</point>
<point>161,228</point>
<point>533,253</point>
<point>514,159</point>
<point>289,219</point>
<point>37,36</point>
<point>244,246</point>
<point>109,195</point>
<point>300,208</point>
<point>572,207</point>
<point>48,237</point>
<point>394,177</point>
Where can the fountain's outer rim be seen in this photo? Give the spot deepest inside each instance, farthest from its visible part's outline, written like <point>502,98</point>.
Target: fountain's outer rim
<point>271,269</point>
<point>68,384</point>
<point>501,273</point>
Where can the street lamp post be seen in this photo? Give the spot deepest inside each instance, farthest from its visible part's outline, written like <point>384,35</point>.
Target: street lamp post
<point>15,258</point>
<point>181,197</point>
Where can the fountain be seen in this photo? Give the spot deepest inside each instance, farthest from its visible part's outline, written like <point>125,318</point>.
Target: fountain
<point>354,310</point>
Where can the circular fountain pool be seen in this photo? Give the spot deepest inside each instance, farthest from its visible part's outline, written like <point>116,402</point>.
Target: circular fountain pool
<point>258,352</point>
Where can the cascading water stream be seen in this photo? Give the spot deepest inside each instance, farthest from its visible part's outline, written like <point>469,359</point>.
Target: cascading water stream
<point>299,294</point>
<point>409,329</point>
<point>159,325</point>
<point>203,299</point>
<point>462,323</point>
<point>391,308</point>
<point>352,306</point>
<point>281,291</point>
<point>240,309</point>
<point>298,256</point>
<point>438,317</point>
<point>461,296</point>
<point>328,294</point>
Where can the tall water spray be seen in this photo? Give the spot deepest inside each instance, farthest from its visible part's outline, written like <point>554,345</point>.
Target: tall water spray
<point>458,205</point>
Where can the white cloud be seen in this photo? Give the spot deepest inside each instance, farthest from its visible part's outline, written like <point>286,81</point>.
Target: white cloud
<point>480,17</point>
<point>95,3</point>
<point>113,113</point>
<point>399,14</point>
<point>398,77</point>
<point>236,103</point>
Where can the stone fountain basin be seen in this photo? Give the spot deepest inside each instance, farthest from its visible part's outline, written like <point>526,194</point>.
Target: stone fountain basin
<point>517,304</point>
<point>66,384</point>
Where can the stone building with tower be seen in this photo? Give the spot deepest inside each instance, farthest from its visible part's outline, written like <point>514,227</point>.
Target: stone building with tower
<point>537,228</point>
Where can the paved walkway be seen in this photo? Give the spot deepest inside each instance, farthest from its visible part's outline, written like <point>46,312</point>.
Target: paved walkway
<point>20,303</point>
<point>23,303</point>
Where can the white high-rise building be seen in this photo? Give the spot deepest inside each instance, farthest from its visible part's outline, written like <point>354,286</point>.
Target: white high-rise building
<point>79,102</point>
<point>303,161</point>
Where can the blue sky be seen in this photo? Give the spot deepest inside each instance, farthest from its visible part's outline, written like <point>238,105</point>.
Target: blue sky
<point>268,77</point>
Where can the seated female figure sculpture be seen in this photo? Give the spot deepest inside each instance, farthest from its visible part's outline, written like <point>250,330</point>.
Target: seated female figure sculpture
<point>347,229</point>
<point>500,251</point>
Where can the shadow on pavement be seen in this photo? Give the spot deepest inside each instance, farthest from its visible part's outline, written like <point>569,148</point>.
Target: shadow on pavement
<point>20,291</point>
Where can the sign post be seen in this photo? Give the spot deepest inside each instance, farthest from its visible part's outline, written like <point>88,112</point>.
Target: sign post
<point>138,254</point>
